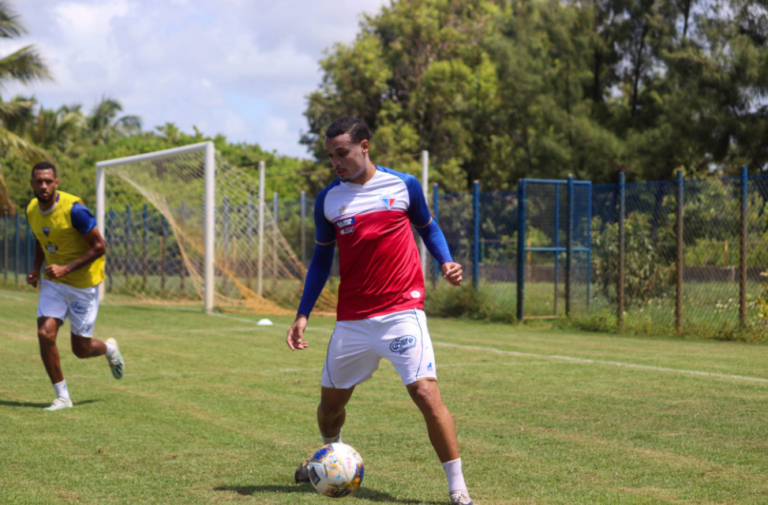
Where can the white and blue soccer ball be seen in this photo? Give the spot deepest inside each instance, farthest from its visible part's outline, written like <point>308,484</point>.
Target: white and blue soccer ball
<point>336,470</point>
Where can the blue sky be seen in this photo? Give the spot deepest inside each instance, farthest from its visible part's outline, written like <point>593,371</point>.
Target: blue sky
<point>238,67</point>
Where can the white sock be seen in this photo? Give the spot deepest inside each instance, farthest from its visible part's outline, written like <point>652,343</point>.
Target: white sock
<point>61,390</point>
<point>331,440</point>
<point>454,474</point>
<point>110,349</point>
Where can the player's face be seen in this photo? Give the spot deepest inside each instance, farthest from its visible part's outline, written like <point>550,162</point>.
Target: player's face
<point>44,184</point>
<point>348,158</point>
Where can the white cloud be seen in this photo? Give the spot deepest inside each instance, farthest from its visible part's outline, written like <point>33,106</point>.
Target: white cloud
<point>237,67</point>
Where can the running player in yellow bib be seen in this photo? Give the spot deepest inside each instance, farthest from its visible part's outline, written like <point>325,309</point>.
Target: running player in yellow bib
<point>69,242</point>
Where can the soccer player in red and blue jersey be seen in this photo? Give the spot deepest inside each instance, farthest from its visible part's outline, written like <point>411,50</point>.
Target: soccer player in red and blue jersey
<point>368,210</point>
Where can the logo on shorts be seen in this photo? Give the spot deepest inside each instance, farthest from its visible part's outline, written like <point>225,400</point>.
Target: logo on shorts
<point>46,230</point>
<point>429,367</point>
<point>402,344</point>
<point>79,308</point>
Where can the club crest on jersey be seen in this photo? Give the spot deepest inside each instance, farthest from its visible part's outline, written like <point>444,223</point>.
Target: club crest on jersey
<point>388,200</point>
<point>46,231</point>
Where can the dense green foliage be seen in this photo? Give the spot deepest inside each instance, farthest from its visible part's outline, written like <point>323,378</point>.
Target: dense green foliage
<point>498,90</point>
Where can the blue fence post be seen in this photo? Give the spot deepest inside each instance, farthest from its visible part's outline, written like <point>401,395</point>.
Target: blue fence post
<point>17,263</point>
<point>436,210</point>
<point>182,245</point>
<point>622,240</point>
<point>5,248</point>
<point>557,241</point>
<point>475,233</point>
<point>743,244</point>
<point>128,256</point>
<point>225,245</point>
<point>30,248</point>
<point>249,269</point>
<point>304,229</point>
<point>679,233</point>
<point>589,244</point>
<point>163,245</point>
<point>145,217</point>
<point>110,250</point>
<point>521,250</point>
<point>569,249</point>
<point>275,211</point>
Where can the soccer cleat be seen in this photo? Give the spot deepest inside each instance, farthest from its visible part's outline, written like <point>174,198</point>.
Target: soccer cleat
<point>461,498</point>
<point>59,403</point>
<point>116,363</point>
<point>302,472</point>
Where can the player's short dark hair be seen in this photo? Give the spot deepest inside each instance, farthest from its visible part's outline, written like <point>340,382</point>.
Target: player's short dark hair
<point>44,165</point>
<point>356,127</point>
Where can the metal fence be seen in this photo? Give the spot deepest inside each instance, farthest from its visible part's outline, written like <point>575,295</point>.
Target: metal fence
<point>681,256</point>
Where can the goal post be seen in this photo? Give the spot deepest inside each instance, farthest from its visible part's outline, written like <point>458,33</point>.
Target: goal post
<point>208,207</point>
<point>184,226</point>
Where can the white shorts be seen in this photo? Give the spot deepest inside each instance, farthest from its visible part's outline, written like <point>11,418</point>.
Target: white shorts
<point>356,347</point>
<point>60,301</point>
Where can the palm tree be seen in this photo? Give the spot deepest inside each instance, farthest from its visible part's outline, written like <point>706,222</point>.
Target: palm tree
<point>102,126</point>
<point>57,129</point>
<point>25,65</point>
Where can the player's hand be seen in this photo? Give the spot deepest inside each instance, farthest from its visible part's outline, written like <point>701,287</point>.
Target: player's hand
<point>452,273</point>
<point>56,271</point>
<point>33,277</point>
<point>296,334</point>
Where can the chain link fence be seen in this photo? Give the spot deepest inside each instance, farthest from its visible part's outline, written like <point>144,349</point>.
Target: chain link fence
<point>693,252</point>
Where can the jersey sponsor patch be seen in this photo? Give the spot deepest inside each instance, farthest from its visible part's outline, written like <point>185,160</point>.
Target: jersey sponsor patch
<point>52,249</point>
<point>345,222</point>
<point>388,200</point>
<point>347,230</point>
<point>402,344</point>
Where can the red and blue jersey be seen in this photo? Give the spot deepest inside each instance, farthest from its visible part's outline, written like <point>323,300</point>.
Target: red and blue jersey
<point>379,263</point>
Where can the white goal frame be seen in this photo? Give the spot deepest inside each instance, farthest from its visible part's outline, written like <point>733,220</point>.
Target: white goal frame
<point>209,206</point>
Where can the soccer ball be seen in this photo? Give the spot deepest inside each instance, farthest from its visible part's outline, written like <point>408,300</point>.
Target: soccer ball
<point>336,470</point>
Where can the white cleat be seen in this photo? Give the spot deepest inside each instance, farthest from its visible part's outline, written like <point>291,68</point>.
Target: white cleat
<point>116,363</point>
<point>60,403</point>
<point>461,498</point>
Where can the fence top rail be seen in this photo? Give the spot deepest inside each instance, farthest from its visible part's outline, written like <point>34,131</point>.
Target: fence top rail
<point>554,181</point>
<point>201,146</point>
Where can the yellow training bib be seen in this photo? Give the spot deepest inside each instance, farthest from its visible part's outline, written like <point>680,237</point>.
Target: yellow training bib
<point>62,243</point>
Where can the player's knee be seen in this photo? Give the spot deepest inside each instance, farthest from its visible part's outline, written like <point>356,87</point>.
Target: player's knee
<point>425,395</point>
<point>46,336</point>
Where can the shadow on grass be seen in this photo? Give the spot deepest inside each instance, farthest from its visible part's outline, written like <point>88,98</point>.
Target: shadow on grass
<point>362,493</point>
<point>6,403</point>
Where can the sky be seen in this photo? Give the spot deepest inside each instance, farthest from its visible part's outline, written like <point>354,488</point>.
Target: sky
<point>242,68</point>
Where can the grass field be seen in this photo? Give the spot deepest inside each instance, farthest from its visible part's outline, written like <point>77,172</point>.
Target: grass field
<point>218,410</point>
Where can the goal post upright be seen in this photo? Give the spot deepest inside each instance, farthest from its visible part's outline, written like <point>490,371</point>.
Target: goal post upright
<point>100,213</point>
<point>208,235</point>
<point>208,203</point>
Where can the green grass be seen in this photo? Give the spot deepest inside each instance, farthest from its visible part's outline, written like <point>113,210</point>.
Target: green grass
<point>218,410</point>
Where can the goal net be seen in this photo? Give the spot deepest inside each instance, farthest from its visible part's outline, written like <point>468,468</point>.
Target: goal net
<point>182,226</point>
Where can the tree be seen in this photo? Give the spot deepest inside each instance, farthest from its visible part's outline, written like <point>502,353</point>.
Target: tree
<point>25,65</point>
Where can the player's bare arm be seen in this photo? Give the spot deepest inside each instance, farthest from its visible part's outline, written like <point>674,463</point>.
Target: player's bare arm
<point>34,275</point>
<point>295,337</point>
<point>97,250</point>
